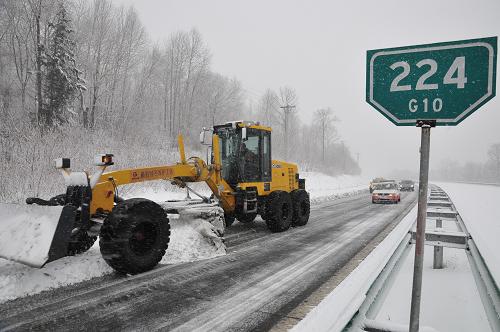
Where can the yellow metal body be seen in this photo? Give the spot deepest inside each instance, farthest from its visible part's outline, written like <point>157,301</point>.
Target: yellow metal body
<point>283,173</point>
<point>284,177</point>
<point>192,170</point>
<point>254,126</point>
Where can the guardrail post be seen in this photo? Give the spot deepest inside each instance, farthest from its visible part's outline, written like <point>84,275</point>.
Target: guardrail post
<point>438,251</point>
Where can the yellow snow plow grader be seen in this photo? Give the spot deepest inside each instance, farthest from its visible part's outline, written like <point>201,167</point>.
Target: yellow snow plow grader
<point>134,233</point>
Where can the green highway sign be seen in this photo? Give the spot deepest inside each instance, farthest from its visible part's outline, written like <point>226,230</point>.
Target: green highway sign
<point>445,82</point>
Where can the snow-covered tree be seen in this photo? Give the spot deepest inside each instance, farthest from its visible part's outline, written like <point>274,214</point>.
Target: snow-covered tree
<point>62,77</point>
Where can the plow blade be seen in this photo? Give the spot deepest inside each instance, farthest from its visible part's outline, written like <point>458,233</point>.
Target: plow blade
<point>35,235</point>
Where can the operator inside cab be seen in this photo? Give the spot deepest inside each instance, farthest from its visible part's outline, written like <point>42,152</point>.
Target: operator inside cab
<point>244,158</point>
<point>250,161</point>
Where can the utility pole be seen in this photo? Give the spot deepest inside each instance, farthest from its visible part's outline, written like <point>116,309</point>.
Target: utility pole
<point>287,109</point>
<point>323,125</point>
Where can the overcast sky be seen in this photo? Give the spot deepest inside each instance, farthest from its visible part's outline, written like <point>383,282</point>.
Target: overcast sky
<point>319,48</point>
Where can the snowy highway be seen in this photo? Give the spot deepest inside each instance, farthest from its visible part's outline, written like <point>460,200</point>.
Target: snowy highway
<point>264,277</point>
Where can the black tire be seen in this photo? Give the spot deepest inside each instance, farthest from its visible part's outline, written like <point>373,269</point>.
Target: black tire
<point>264,208</point>
<point>279,211</point>
<point>80,242</point>
<point>134,236</point>
<point>228,219</point>
<point>301,207</point>
<point>246,218</point>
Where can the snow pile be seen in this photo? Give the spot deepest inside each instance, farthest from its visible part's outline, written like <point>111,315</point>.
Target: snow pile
<point>337,309</point>
<point>479,208</point>
<point>207,221</point>
<point>323,187</point>
<point>187,243</point>
<point>190,240</point>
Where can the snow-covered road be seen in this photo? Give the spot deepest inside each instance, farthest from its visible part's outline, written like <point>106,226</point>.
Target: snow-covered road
<point>262,279</point>
<point>186,243</point>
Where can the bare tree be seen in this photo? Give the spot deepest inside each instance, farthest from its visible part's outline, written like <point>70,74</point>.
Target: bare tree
<point>268,108</point>
<point>324,120</point>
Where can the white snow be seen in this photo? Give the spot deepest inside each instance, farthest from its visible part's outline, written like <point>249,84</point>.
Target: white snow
<point>450,300</point>
<point>16,280</point>
<point>479,207</point>
<point>336,310</point>
<point>189,241</point>
<point>322,187</point>
<point>26,232</point>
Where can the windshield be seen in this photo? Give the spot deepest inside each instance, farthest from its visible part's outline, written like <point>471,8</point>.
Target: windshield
<point>229,144</point>
<point>386,186</point>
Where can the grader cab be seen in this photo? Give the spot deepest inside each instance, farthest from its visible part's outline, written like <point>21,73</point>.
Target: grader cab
<point>134,233</point>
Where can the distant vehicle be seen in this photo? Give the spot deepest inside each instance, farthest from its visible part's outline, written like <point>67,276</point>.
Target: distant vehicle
<point>374,182</point>
<point>407,185</point>
<point>386,192</point>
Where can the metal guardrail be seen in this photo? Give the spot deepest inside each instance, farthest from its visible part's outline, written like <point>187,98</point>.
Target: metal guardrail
<point>364,319</point>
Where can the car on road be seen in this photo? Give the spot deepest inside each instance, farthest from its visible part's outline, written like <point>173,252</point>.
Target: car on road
<point>374,182</point>
<point>407,185</point>
<point>386,192</point>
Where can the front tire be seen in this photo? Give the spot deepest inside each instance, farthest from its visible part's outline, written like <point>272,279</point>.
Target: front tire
<point>228,219</point>
<point>135,236</point>
<point>279,211</point>
<point>301,207</point>
<point>246,218</point>
<point>80,242</point>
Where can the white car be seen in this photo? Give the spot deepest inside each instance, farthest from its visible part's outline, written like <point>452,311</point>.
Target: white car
<point>386,192</point>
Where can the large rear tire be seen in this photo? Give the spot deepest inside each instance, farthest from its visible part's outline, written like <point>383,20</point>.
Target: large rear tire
<point>279,211</point>
<point>135,236</point>
<point>301,207</point>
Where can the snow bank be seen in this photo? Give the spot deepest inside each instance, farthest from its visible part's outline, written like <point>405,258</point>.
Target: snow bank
<point>323,187</point>
<point>450,300</point>
<point>479,208</point>
<point>16,280</point>
<point>337,309</point>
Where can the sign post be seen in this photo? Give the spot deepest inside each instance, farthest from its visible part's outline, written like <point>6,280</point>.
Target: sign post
<point>425,146</point>
<point>426,86</point>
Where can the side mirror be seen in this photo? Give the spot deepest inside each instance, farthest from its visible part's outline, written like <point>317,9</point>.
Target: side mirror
<point>244,133</point>
<point>206,137</point>
<point>62,163</point>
